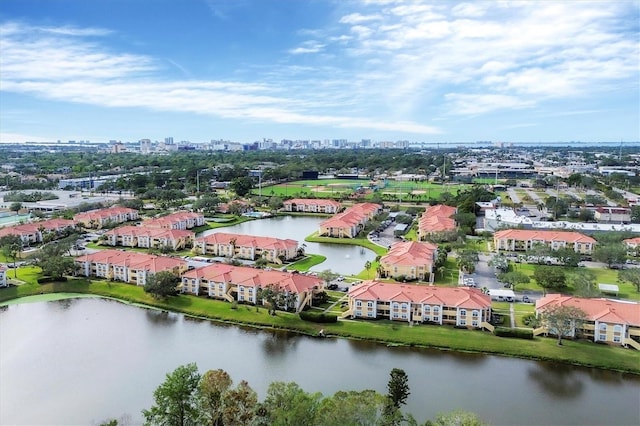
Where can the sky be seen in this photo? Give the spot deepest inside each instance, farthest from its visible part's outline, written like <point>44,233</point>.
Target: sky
<point>385,70</point>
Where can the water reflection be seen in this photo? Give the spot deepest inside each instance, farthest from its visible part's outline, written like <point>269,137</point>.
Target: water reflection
<point>560,381</point>
<point>163,318</point>
<point>62,305</point>
<point>277,342</point>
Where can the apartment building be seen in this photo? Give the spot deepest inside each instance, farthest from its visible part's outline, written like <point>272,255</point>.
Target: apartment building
<point>414,303</point>
<point>410,260</point>
<point>525,239</point>
<point>251,247</point>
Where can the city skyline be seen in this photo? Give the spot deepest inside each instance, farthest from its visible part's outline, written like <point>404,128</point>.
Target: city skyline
<point>429,71</point>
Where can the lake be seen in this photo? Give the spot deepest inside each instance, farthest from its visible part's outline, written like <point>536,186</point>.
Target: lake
<point>80,361</point>
<point>342,259</point>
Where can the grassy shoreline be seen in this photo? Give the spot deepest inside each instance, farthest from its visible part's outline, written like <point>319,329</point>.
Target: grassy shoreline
<point>381,331</point>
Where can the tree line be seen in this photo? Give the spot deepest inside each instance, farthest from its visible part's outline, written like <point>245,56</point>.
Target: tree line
<point>187,397</point>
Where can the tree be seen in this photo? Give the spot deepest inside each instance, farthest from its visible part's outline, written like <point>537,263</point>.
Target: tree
<point>275,203</point>
<point>288,404</point>
<point>176,399</point>
<point>240,405</point>
<point>327,276</point>
<point>583,282</point>
<point>562,320</point>
<point>161,284</point>
<point>367,266</point>
<point>501,263</point>
<point>513,278</point>
<point>241,185</point>
<point>397,394</point>
<point>213,388</point>
<point>611,254</point>
<point>398,387</point>
<point>276,297</point>
<point>456,418</point>
<point>567,256</point>
<point>467,260</point>
<point>631,275</point>
<point>549,277</point>
<point>207,203</point>
<point>11,246</point>
<point>15,207</point>
<point>57,267</point>
<point>351,408</point>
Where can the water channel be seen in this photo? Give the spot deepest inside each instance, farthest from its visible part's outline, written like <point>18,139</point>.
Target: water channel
<point>80,361</point>
<point>342,259</point>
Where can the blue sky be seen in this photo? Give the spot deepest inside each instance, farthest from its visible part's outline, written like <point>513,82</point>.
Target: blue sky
<point>243,70</point>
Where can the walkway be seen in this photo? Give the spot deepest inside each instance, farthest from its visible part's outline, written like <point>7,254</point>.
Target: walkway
<point>512,315</point>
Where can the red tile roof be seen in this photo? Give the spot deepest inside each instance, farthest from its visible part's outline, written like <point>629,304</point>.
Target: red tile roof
<point>462,297</point>
<point>410,253</point>
<point>132,260</point>
<point>437,219</point>
<point>531,235</point>
<point>143,231</point>
<point>252,277</point>
<point>607,310</point>
<point>242,240</point>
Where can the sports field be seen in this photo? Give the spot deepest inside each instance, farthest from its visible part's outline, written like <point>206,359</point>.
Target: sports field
<point>340,188</point>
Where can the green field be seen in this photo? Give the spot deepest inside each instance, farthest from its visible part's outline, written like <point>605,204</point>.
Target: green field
<point>340,188</point>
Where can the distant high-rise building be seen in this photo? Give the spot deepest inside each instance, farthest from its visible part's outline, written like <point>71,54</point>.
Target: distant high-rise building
<point>168,141</point>
<point>145,146</point>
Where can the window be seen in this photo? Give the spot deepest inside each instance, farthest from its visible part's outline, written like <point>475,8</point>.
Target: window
<point>358,303</point>
<point>602,331</point>
<point>369,304</point>
<point>427,309</point>
<point>463,322</point>
<point>370,314</point>
<point>436,309</point>
<point>463,312</point>
<point>617,333</point>
<point>359,313</point>
<point>475,314</point>
<point>474,323</point>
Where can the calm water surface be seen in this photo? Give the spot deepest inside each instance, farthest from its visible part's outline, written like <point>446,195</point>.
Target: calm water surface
<point>80,361</point>
<point>343,259</point>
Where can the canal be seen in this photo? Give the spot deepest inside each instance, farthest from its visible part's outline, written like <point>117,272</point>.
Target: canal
<point>80,361</point>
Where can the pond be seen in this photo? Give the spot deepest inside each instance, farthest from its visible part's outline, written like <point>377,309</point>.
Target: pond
<point>81,361</point>
<point>342,259</point>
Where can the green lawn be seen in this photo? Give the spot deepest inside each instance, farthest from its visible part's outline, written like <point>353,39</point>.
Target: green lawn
<point>581,353</point>
<point>603,276</point>
<point>306,263</point>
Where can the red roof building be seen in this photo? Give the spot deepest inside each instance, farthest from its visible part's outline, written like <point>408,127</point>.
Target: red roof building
<point>414,303</point>
<point>242,284</point>
<point>129,267</point>
<point>145,237</point>
<point>436,221</point>
<point>410,260</point>
<point>251,247</point>
<point>525,239</point>
<point>98,218</point>
<point>312,205</point>
<point>607,320</point>
<point>350,222</point>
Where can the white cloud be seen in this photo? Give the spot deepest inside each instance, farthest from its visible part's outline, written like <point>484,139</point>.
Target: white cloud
<point>472,104</point>
<point>357,18</point>
<point>72,70</point>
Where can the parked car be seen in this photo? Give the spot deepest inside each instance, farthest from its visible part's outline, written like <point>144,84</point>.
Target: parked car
<point>332,286</point>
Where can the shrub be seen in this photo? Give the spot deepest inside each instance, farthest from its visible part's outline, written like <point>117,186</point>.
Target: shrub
<point>318,317</point>
<point>46,280</point>
<point>517,333</point>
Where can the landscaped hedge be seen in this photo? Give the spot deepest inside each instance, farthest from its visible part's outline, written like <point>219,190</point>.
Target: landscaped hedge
<point>46,280</point>
<point>518,333</point>
<point>318,317</point>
